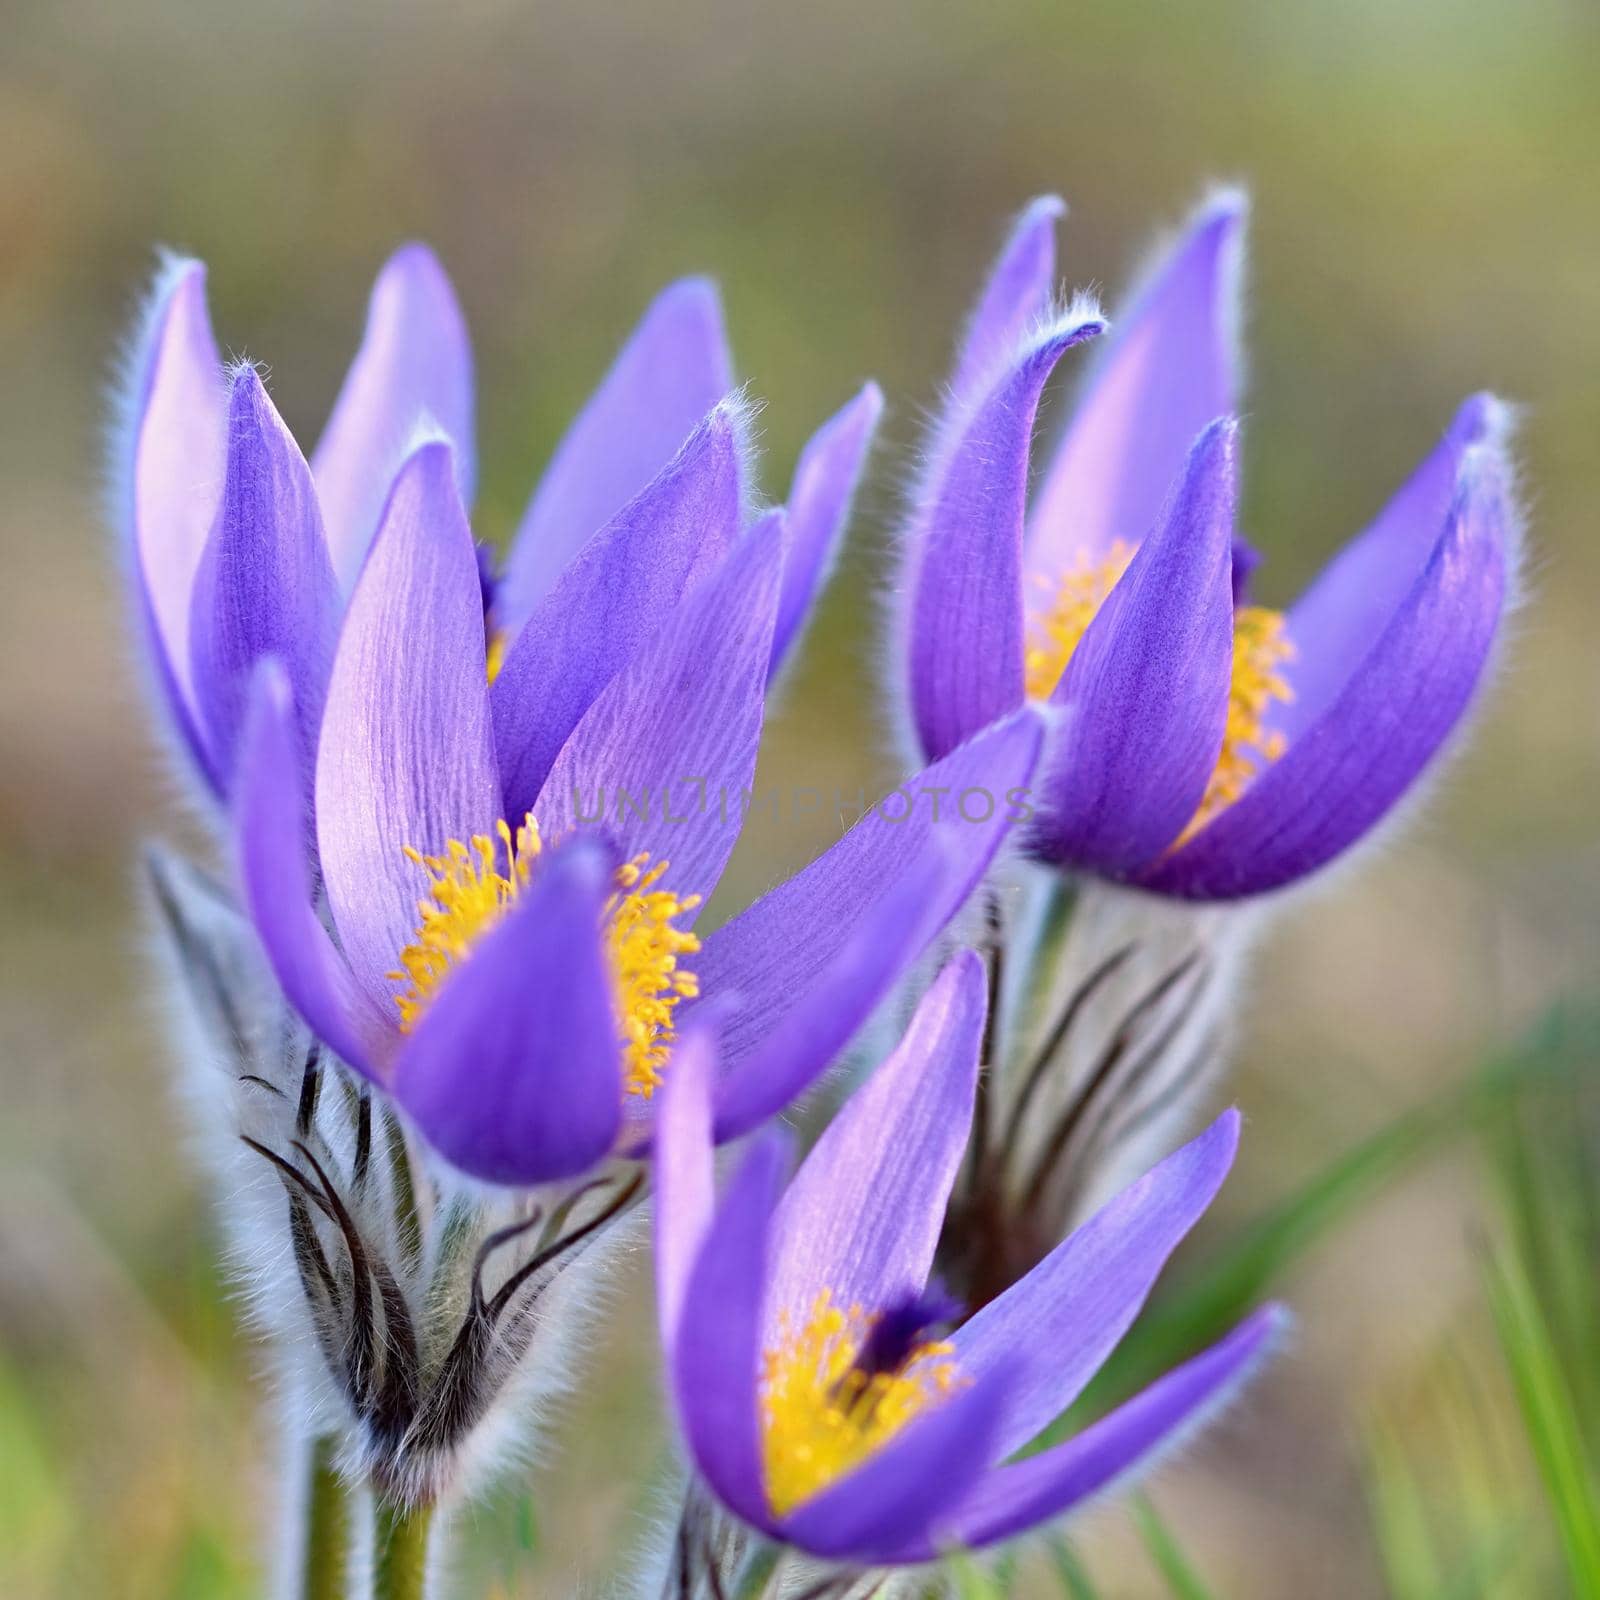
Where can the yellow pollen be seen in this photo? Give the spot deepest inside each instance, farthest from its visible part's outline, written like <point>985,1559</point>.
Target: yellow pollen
<point>821,1416</point>
<point>472,887</point>
<point>1261,649</point>
<point>495,647</point>
<point>1057,630</point>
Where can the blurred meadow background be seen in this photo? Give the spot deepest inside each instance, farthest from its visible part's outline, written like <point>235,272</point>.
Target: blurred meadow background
<point>1427,222</point>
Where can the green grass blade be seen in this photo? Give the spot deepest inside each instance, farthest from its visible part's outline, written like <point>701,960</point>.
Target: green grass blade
<point>1399,1522</point>
<point>1545,1400</point>
<point>1181,1578</point>
<point>1073,1575</point>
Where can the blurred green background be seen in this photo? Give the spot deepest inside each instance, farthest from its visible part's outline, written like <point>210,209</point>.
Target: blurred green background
<point>1427,222</point>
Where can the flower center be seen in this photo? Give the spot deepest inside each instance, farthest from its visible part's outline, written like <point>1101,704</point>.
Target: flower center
<point>1261,649</point>
<point>1058,629</point>
<point>474,885</point>
<point>828,1401</point>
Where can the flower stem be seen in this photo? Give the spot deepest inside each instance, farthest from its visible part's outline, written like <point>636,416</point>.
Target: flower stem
<point>759,1568</point>
<point>400,1551</point>
<point>327,1546</point>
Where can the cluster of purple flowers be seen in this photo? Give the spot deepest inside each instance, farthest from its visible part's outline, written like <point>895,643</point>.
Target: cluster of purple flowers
<point>396,736</point>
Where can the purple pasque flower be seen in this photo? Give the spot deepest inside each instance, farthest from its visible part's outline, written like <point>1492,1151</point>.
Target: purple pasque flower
<point>825,1399</point>
<point>1214,748</point>
<point>512,899</point>
<point>241,549</point>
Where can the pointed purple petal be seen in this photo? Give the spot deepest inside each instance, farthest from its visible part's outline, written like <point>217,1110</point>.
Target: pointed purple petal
<point>514,1073</point>
<point>613,599</point>
<point>861,973</point>
<point>270,832</point>
<point>407,755</point>
<point>1148,684</point>
<point>265,586</point>
<point>670,373</point>
<point>1070,1312</point>
<point>824,485</point>
<point>679,726</point>
<point>862,1216</point>
<point>1016,296</point>
<point>1389,722</point>
<point>414,367</point>
<point>174,478</point>
<point>1128,1442</point>
<point>1341,616</point>
<point>775,957</point>
<point>910,1488</point>
<point>715,1365</point>
<point>685,1182</point>
<point>1169,368</point>
<point>964,650</point>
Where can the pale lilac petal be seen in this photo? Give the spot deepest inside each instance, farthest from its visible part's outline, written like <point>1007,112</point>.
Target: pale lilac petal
<point>174,482</point>
<point>270,834</point>
<point>668,376</point>
<point>265,586</point>
<point>1341,616</point>
<point>862,1216</point>
<point>715,1365</point>
<point>964,551</point>
<point>861,974</point>
<point>613,599</point>
<point>1148,685</point>
<point>909,1489</point>
<point>1130,1441</point>
<point>407,754</point>
<point>685,1182</point>
<point>679,727</point>
<point>1391,719</point>
<point>514,1073</point>
<point>414,367</point>
<point>1016,296</point>
<point>1072,1310</point>
<point>824,485</point>
<point>773,956</point>
<point>1170,366</point>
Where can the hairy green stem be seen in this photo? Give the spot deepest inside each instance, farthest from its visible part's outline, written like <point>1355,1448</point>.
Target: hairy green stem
<point>326,1555</point>
<point>400,1551</point>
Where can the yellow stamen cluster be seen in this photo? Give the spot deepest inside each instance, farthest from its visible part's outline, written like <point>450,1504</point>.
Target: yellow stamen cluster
<point>1058,629</point>
<point>644,948</point>
<point>495,652</point>
<point>1261,649</point>
<point>474,885</point>
<point>821,1415</point>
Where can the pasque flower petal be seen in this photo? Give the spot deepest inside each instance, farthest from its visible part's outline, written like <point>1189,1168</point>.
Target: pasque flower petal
<point>407,753</point>
<point>909,1489</point>
<point>824,485</point>
<point>270,838</point>
<point>685,1179</point>
<point>862,1216</point>
<point>670,373</point>
<point>1015,297</point>
<point>514,1072</point>
<point>174,478</point>
<point>677,730</point>
<point>1014,1498</point>
<point>715,1361</point>
<point>414,368</point>
<point>1169,367</point>
<point>264,586</point>
<point>1148,684</point>
<point>1394,713</point>
<point>774,956</point>
<point>964,550</point>
<point>1341,616</point>
<point>1093,1284</point>
<point>614,597</point>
